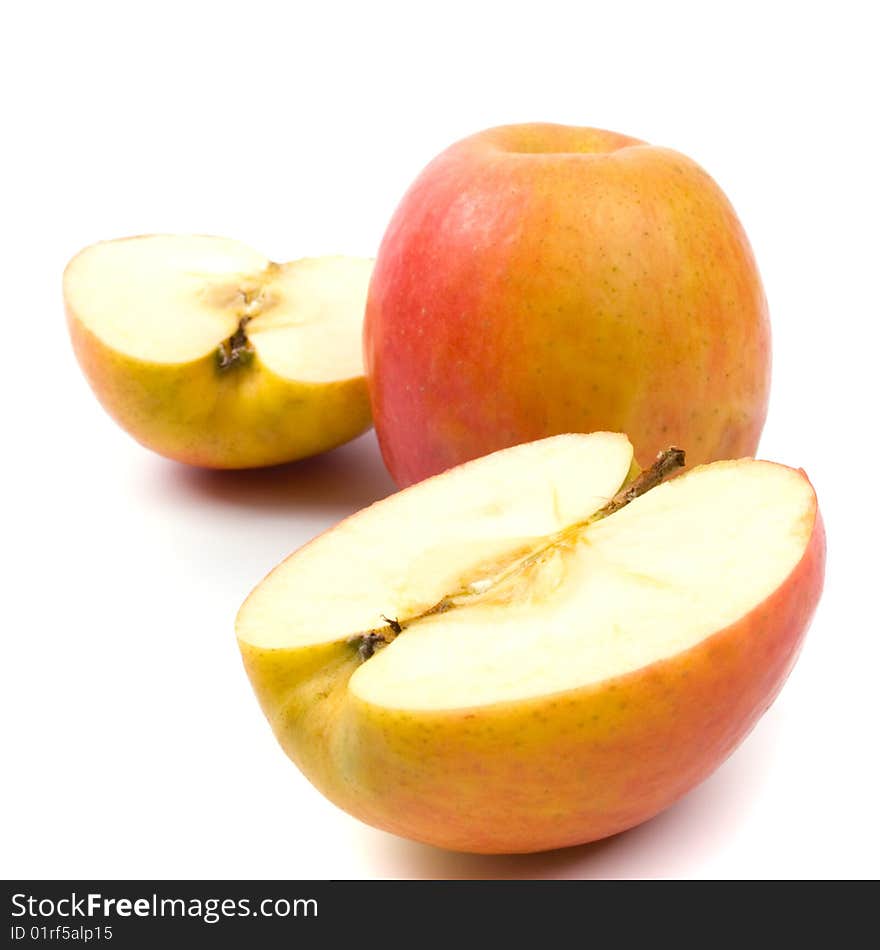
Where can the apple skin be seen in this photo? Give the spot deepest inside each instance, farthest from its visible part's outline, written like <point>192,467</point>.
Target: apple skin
<point>545,773</point>
<point>540,279</point>
<point>193,413</point>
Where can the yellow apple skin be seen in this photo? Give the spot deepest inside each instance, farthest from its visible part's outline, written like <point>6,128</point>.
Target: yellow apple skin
<point>546,773</point>
<point>242,417</point>
<point>540,279</point>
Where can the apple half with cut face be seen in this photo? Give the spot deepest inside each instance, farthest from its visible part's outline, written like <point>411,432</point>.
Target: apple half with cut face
<point>540,647</point>
<point>208,353</point>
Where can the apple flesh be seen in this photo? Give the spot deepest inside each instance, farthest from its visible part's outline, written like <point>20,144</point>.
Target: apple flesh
<point>542,279</point>
<point>500,660</point>
<point>209,353</point>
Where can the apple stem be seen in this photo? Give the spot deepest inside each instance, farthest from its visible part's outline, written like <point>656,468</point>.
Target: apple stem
<point>666,462</point>
<point>393,623</point>
<point>378,637</point>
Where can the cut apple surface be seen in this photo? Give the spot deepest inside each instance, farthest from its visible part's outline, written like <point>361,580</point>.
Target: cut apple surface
<point>209,353</point>
<point>502,658</point>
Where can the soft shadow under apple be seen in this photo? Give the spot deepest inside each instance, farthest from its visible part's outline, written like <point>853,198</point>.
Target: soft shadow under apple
<point>335,483</point>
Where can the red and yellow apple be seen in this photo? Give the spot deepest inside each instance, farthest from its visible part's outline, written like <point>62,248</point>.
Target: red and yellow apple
<point>537,648</point>
<point>540,279</point>
<point>207,352</point>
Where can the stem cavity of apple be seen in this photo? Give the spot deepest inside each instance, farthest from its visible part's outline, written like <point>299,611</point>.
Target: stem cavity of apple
<point>667,461</point>
<point>368,644</point>
<point>237,350</point>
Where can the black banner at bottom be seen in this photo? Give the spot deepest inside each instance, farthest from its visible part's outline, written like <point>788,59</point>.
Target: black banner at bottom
<point>123,914</point>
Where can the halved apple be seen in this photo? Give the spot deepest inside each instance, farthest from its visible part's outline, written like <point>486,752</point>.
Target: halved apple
<point>209,353</point>
<point>538,648</point>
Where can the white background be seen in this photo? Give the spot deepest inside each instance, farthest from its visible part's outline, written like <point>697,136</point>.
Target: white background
<point>132,745</point>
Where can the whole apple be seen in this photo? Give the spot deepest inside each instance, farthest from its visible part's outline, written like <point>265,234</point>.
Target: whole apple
<point>540,279</point>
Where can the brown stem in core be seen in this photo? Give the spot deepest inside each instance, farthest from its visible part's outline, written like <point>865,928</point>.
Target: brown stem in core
<point>667,461</point>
